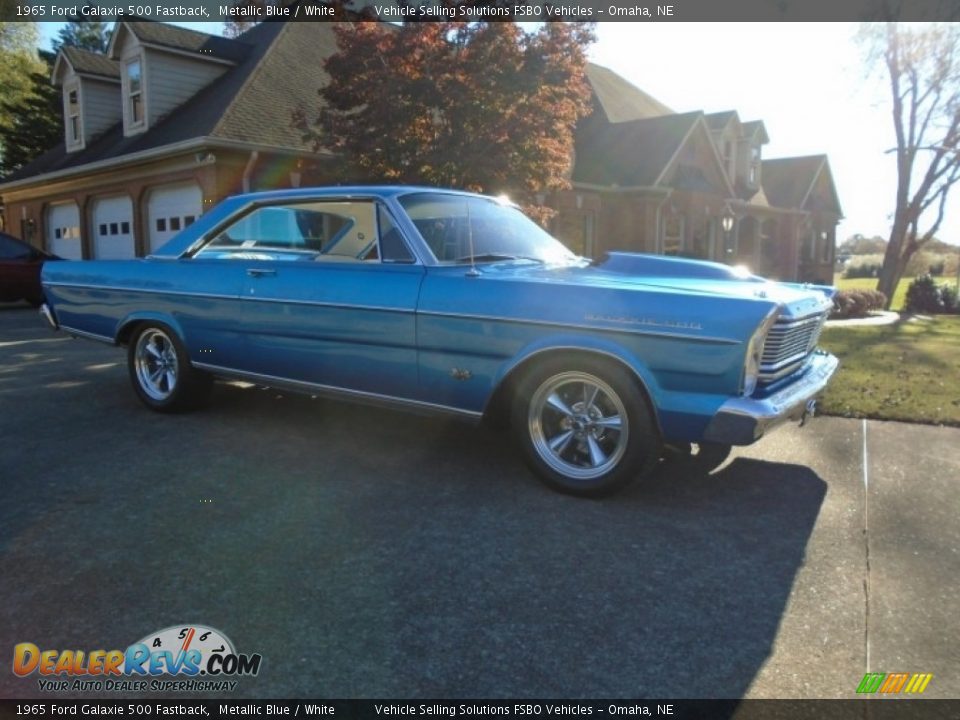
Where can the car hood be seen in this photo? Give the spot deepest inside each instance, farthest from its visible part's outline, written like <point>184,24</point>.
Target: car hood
<point>633,271</point>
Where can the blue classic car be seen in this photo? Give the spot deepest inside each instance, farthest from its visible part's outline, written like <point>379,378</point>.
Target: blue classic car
<point>457,303</point>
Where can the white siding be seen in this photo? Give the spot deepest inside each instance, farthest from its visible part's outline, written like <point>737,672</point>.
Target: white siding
<point>101,107</point>
<point>171,80</point>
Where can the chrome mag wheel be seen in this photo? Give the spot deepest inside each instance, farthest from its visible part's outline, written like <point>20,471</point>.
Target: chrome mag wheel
<point>578,425</point>
<point>156,364</point>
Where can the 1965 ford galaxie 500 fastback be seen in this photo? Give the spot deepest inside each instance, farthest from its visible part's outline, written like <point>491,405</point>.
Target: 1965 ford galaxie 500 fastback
<point>457,303</point>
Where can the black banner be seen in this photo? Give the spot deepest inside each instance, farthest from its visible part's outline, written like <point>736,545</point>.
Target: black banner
<point>470,10</point>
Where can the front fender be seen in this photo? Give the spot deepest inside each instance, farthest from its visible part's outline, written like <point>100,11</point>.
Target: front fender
<point>570,343</point>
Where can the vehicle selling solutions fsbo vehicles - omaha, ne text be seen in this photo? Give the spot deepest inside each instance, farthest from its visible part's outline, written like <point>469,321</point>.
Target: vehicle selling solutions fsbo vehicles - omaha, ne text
<point>457,303</point>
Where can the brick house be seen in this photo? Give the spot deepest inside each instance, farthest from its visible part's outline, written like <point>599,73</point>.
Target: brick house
<point>170,121</point>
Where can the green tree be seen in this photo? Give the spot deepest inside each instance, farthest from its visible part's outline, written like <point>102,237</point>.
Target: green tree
<point>18,59</point>
<point>480,106</point>
<point>37,121</point>
<point>91,35</point>
<point>922,65</point>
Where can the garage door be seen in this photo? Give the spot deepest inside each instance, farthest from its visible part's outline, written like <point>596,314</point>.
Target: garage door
<point>113,228</point>
<point>63,231</point>
<point>170,209</point>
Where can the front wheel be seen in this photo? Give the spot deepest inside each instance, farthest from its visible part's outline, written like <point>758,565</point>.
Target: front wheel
<point>161,372</point>
<point>585,428</point>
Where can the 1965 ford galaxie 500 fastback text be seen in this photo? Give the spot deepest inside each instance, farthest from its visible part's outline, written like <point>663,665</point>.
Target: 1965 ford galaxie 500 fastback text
<point>457,303</point>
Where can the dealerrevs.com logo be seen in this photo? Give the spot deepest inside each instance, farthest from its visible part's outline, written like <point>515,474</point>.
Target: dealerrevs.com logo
<point>178,658</point>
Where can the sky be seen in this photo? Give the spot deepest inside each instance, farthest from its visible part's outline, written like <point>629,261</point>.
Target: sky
<point>806,81</point>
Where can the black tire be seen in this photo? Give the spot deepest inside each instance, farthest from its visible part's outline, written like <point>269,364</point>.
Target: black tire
<point>584,426</point>
<point>702,458</point>
<point>161,373</point>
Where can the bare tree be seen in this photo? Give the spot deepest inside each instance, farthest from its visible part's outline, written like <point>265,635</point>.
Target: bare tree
<point>923,69</point>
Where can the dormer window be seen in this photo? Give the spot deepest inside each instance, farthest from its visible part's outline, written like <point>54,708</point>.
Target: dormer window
<point>754,172</point>
<point>135,92</point>
<point>73,116</point>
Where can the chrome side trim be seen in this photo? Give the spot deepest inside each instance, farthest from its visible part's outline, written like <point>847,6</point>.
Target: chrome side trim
<point>334,392</point>
<point>213,296</point>
<point>88,335</point>
<point>579,326</point>
<point>47,315</point>
<point>432,313</point>
<point>317,303</point>
<point>150,291</point>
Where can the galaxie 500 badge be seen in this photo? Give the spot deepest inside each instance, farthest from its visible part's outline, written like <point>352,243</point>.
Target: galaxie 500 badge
<point>185,652</point>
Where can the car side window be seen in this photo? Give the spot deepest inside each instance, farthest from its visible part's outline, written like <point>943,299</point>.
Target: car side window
<point>331,231</point>
<point>392,247</point>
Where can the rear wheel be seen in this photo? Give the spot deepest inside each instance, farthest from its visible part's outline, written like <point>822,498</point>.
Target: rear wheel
<point>585,427</point>
<point>161,372</point>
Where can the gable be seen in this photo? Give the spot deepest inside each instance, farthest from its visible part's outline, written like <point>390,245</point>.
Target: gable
<point>823,193</point>
<point>696,165</point>
<point>628,154</point>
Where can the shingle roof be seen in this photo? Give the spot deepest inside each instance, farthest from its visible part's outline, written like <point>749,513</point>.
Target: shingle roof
<point>787,181</point>
<point>620,100</point>
<point>631,153</point>
<point>85,62</point>
<point>719,120</point>
<point>752,126</point>
<point>289,76</point>
<point>196,118</point>
<point>178,38</point>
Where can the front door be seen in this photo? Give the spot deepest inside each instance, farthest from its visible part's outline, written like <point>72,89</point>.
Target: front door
<point>325,302</point>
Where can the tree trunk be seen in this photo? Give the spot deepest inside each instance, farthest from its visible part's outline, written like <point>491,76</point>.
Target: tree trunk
<point>892,269</point>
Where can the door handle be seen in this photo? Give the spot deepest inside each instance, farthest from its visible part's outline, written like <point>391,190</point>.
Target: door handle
<point>260,272</point>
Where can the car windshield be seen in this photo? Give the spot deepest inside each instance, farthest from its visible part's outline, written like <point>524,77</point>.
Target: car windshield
<point>465,229</point>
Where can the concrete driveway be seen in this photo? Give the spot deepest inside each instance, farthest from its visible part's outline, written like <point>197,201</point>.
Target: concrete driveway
<point>369,553</point>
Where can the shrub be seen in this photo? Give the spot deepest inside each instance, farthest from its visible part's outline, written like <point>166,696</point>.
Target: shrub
<point>925,296</point>
<point>951,303</point>
<point>856,303</point>
<point>863,266</point>
<point>863,270</point>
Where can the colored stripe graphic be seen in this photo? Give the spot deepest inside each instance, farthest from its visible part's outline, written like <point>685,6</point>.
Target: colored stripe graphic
<point>871,682</point>
<point>892,683</point>
<point>918,683</point>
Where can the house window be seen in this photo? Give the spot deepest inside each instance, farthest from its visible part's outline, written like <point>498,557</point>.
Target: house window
<point>103,230</point>
<point>73,115</point>
<point>135,91</point>
<point>125,228</point>
<point>673,235</point>
<point>174,224</point>
<point>161,224</point>
<point>754,173</point>
<point>188,220</point>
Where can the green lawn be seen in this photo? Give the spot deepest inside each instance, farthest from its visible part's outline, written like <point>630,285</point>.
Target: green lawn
<point>906,371</point>
<point>871,284</point>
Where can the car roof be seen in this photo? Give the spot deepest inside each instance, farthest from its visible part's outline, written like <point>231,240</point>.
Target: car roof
<point>345,190</point>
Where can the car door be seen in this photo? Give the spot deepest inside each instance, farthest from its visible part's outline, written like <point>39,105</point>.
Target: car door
<point>329,299</point>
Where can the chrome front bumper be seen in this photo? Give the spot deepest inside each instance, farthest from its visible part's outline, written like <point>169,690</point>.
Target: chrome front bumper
<point>47,314</point>
<point>741,421</point>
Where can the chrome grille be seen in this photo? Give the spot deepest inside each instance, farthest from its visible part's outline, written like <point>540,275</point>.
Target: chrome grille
<point>788,344</point>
